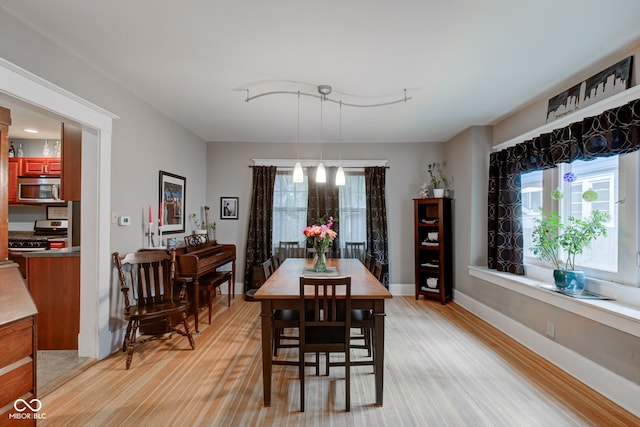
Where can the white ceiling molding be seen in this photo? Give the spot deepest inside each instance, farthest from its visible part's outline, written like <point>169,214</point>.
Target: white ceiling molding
<point>289,163</point>
<point>591,110</point>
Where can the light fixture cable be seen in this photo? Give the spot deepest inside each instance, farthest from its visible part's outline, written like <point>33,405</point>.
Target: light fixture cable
<point>321,174</point>
<point>340,178</point>
<point>298,174</point>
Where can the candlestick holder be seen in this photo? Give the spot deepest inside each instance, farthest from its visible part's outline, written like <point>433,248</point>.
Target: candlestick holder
<point>149,235</point>
<point>160,245</point>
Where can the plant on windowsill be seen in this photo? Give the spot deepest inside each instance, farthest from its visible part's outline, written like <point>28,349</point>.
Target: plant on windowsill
<point>550,235</point>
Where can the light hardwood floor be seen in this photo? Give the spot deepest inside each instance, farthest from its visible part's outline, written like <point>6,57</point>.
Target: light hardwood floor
<point>443,367</point>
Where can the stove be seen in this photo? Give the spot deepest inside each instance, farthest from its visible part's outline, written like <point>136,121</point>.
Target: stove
<point>47,234</point>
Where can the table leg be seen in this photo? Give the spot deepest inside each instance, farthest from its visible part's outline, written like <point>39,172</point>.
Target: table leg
<point>267,340</point>
<point>378,354</point>
<point>196,303</point>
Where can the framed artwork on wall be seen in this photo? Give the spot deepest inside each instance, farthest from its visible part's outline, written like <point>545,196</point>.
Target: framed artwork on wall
<point>228,208</point>
<point>172,202</point>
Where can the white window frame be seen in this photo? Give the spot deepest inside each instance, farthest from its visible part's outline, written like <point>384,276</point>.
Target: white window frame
<point>628,231</point>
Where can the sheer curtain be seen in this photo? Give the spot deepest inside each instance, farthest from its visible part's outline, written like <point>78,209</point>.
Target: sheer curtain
<point>615,131</point>
<point>377,239</point>
<point>353,209</point>
<point>260,221</point>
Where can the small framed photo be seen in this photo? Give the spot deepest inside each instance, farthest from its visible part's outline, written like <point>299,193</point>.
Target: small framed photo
<point>172,202</point>
<point>228,208</point>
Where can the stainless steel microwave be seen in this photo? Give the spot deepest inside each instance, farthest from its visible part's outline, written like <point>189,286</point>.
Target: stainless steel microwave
<point>39,190</point>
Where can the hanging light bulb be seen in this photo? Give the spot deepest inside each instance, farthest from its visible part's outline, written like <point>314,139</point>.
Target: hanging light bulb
<point>321,174</point>
<point>340,178</point>
<point>298,175</point>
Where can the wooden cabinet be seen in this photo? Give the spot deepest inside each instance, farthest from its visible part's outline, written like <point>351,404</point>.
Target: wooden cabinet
<point>36,166</point>
<point>14,166</point>
<point>54,283</point>
<point>72,162</point>
<point>18,342</point>
<point>433,242</point>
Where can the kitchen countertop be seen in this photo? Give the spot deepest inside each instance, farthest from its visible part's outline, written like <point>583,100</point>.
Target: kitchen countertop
<point>64,252</point>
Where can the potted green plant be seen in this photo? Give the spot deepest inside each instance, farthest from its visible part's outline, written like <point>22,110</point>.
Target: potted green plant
<point>438,179</point>
<point>550,235</point>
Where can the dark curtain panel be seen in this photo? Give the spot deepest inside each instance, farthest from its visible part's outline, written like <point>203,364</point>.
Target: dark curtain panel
<point>260,221</point>
<point>616,131</point>
<point>377,239</point>
<point>323,203</point>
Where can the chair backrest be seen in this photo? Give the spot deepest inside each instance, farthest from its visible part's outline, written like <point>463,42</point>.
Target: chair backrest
<point>327,308</point>
<point>146,277</point>
<point>195,240</point>
<point>354,250</point>
<point>378,269</point>
<point>287,250</point>
<point>368,262</point>
<point>267,268</point>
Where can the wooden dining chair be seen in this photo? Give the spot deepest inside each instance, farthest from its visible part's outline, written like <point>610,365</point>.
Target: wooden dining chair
<point>147,285</point>
<point>355,250</point>
<point>286,249</point>
<point>326,325</point>
<point>378,269</point>
<point>368,262</point>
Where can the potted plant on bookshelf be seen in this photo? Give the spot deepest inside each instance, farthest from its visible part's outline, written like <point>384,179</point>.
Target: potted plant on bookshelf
<point>550,235</point>
<point>438,179</point>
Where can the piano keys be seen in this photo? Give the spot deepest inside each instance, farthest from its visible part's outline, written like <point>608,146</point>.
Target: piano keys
<point>195,263</point>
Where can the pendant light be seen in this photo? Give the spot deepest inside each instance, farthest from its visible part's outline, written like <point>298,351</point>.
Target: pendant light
<point>298,175</point>
<point>321,174</point>
<point>340,178</point>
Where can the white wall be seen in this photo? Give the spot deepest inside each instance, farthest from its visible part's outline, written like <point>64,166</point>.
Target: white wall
<point>143,141</point>
<point>229,174</point>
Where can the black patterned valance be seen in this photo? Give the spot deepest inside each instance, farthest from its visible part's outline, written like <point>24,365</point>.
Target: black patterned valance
<point>615,131</point>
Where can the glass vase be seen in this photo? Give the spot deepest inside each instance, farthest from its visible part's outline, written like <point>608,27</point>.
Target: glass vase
<point>320,260</point>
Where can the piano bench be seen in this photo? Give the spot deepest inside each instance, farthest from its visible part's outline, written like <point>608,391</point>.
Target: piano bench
<point>211,281</point>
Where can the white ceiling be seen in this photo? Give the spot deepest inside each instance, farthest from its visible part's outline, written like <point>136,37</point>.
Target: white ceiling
<point>463,62</point>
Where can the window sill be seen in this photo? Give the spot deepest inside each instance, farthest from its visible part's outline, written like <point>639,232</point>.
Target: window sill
<point>613,313</point>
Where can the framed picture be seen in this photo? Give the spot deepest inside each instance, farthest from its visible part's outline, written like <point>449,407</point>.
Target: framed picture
<point>172,202</point>
<point>228,208</point>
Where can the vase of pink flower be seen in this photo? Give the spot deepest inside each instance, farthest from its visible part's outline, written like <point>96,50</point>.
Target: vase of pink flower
<point>321,236</point>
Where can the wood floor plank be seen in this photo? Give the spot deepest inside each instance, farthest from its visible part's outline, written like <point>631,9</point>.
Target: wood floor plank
<point>443,367</point>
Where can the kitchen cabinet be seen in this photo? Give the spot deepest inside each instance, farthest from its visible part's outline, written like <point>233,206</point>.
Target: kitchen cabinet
<point>72,162</point>
<point>14,167</point>
<point>53,278</point>
<point>18,341</point>
<point>36,166</point>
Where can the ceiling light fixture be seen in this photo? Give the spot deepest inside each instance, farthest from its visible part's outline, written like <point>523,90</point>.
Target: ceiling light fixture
<point>298,174</point>
<point>29,130</point>
<point>323,91</point>
<point>321,174</point>
<point>340,178</point>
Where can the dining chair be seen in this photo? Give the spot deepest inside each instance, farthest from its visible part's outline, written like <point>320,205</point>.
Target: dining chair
<point>286,249</point>
<point>378,269</point>
<point>368,262</point>
<point>355,250</point>
<point>146,282</point>
<point>326,325</point>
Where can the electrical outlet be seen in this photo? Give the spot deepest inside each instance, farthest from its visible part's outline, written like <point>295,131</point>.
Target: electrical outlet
<point>551,329</point>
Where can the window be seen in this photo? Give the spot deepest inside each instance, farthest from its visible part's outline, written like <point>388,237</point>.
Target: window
<point>290,209</point>
<point>353,215</point>
<point>609,258</point>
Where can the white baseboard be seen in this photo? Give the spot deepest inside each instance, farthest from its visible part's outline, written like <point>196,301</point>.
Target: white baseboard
<point>616,388</point>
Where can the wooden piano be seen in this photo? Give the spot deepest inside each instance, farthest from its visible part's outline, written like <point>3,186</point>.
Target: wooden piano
<point>196,262</point>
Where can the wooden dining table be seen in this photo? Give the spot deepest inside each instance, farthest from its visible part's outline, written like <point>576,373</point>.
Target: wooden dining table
<point>281,291</point>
